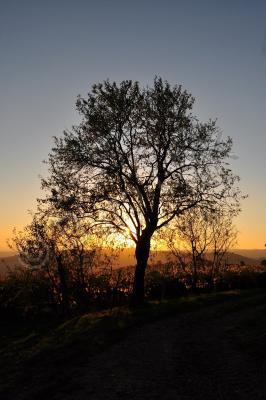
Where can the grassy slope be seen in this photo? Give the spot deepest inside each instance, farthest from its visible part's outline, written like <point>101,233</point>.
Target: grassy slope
<point>48,355</point>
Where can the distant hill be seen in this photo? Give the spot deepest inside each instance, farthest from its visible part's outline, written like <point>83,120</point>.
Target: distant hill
<point>234,258</point>
<point>251,253</point>
<point>4,254</point>
<point>127,258</point>
<point>9,262</point>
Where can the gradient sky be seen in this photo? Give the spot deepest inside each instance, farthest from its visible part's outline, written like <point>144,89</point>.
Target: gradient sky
<point>51,51</point>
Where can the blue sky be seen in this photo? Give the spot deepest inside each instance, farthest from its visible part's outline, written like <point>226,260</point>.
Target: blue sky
<point>51,51</point>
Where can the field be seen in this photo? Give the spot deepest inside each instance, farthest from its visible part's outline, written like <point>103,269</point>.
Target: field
<point>198,347</point>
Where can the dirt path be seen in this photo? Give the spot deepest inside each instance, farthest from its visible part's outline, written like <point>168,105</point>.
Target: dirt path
<point>200,355</point>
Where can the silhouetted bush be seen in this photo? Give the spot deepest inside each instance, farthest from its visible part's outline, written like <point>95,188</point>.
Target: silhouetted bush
<point>261,279</point>
<point>164,281</point>
<point>25,293</point>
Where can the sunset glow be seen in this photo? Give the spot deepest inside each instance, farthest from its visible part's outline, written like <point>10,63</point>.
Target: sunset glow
<point>228,82</point>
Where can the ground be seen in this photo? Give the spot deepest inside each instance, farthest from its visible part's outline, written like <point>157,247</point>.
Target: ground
<point>215,350</point>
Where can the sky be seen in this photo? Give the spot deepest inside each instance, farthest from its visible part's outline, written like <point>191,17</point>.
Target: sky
<point>51,51</point>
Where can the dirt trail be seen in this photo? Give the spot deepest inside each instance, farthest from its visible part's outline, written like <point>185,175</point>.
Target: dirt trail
<point>193,356</point>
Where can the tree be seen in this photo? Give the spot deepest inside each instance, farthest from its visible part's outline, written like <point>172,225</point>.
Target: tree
<point>199,239</point>
<point>188,238</point>
<point>137,160</point>
<point>41,246</point>
<point>223,235</point>
<point>56,246</point>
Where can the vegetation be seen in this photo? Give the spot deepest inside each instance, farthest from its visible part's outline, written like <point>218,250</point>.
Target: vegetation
<point>263,263</point>
<point>27,293</point>
<point>199,240</point>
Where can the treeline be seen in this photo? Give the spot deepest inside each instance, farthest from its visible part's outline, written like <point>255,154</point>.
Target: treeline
<point>34,292</point>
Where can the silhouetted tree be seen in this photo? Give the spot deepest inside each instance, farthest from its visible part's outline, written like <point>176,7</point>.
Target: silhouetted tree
<point>223,234</point>
<point>199,239</point>
<point>57,247</point>
<point>40,246</point>
<point>188,238</point>
<point>139,159</point>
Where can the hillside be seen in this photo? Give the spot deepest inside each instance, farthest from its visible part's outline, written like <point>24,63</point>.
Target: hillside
<point>234,258</point>
<point>201,348</point>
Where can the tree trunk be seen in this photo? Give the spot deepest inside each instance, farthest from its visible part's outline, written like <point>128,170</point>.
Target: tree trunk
<point>142,253</point>
<point>194,269</point>
<point>63,284</point>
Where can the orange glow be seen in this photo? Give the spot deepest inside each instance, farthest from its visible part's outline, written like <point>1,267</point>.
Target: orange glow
<point>250,224</point>
<point>246,240</point>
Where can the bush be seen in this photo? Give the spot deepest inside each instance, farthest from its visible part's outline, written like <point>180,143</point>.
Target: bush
<point>160,285</point>
<point>25,293</point>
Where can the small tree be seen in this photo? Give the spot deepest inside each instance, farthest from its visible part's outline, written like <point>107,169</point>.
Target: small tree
<point>139,159</point>
<point>223,236</point>
<point>56,246</point>
<point>40,246</point>
<point>188,238</point>
<point>200,239</point>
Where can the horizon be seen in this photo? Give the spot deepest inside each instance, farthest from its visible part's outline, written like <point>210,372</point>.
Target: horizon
<point>233,250</point>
